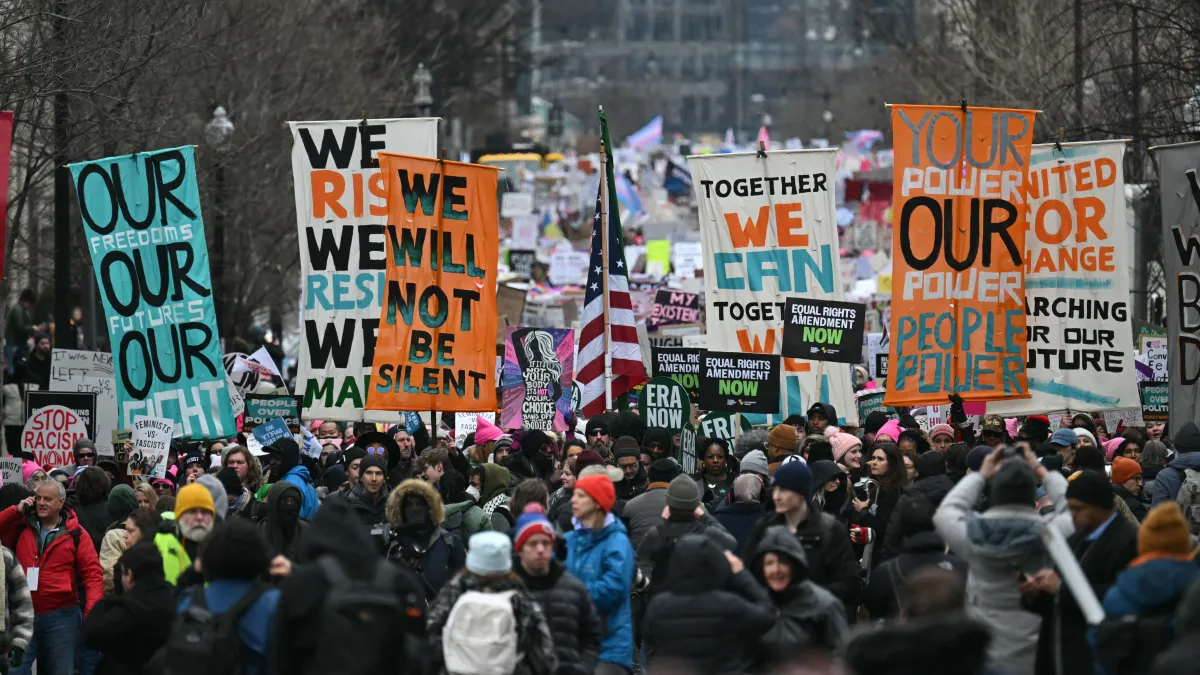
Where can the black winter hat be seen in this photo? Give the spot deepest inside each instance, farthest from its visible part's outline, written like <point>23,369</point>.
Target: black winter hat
<point>1188,438</point>
<point>909,422</point>
<point>370,461</point>
<point>393,449</point>
<point>664,470</point>
<point>976,456</point>
<point>1091,487</point>
<point>598,422</point>
<point>656,435</point>
<point>931,464</point>
<point>1014,484</point>
<point>230,481</point>
<point>875,422</point>
<point>534,440</point>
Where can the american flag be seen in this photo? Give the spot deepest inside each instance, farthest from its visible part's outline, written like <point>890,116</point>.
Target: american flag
<point>627,367</point>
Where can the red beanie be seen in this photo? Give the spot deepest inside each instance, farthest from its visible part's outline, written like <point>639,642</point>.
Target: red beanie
<point>600,488</point>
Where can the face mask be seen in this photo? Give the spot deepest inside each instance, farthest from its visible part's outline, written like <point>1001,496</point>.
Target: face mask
<point>473,491</point>
<point>416,514</point>
<point>289,510</point>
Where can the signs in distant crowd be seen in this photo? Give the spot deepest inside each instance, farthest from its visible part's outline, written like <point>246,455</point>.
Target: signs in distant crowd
<point>824,330</point>
<point>1155,405</point>
<point>768,231</point>
<point>83,404</point>
<point>143,227</point>
<point>435,347</point>
<point>958,291</point>
<point>673,307</point>
<point>273,430</point>
<point>10,467</point>
<point>521,262</point>
<point>524,231</point>
<point>151,443</point>
<point>261,408</point>
<point>1179,189</point>
<point>664,404</point>
<point>869,401</point>
<point>539,369</point>
<point>1079,354</point>
<point>686,258</point>
<point>739,382</point>
<point>341,212</point>
<point>50,434</point>
<point>876,348</point>
<point>89,372</point>
<point>122,443</point>
<point>466,423</point>
<point>680,364</point>
<point>568,267</point>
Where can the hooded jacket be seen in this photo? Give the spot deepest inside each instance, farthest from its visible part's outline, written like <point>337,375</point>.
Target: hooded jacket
<point>304,626</point>
<point>830,412</point>
<point>572,617</point>
<point>603,560</point>
<point>299,476</point>
<point>128,629</point>
<point>63,563</point>
<point>826,543</point>
<point>1169,480</point>
<point>806,614</point>
<point>493,496</point>
<point>705,618</point>
<point>996,544</point>
<point>282,541</point>
<point>431,552</point>
<point>465,519</point>
<point>947,645</point>
<point>1151,585</point>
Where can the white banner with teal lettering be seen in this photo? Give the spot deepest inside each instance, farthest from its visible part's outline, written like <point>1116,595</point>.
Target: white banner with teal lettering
<point>769,233</point>
<point>141,217</point>
<point>1077,254</point>
<point>341,210</point>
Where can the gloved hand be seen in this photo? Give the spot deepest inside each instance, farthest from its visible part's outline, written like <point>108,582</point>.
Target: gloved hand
<point>15,656</point>
<point>957,412</point>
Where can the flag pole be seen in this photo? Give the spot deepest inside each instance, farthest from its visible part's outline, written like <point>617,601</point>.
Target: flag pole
<point>608,374</point>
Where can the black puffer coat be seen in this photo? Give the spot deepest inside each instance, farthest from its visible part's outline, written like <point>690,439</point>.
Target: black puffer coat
<point>826,543</point>
<point>705,616</point>
<point>572,617</point>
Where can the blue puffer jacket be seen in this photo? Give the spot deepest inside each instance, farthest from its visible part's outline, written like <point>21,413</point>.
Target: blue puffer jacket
<point>309,501</point>
<point>603,560</point>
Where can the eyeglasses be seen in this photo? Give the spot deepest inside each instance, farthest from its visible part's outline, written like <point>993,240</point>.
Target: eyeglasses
<point>597,432</point>
<point>376,451</point>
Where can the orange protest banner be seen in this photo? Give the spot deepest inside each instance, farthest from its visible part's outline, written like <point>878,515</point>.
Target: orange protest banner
<point>436,348</point>
<point>958,281</point>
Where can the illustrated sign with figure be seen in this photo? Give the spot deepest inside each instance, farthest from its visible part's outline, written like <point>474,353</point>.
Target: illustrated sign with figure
<point>539,371</point>
<point>958,282</point>
<point>144,231</point>
<point>341,213</point>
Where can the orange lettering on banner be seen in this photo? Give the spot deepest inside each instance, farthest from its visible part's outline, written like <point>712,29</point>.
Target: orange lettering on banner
<point>329,192</point>
<point>958,281</point>
<point>435,348</point>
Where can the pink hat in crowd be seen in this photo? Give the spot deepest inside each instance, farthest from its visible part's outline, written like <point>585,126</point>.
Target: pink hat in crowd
<point>843,443</point>
<point>486,431</point>
<point>1012,425</point>
<point>942,430</point>
<point>1110,447</point>
<point>892,430</point>
<point>28,468</point>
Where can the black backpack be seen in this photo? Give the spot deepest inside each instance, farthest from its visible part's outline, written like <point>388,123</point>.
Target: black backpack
<point>358,620</point>
<point>1125,645</point>
<point>201,643</point>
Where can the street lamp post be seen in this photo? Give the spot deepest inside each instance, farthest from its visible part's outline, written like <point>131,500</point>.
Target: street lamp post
<point>217,133</point>
<point>423,99</point>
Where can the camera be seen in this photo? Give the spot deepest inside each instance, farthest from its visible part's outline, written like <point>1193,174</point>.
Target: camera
<point>866,489</point>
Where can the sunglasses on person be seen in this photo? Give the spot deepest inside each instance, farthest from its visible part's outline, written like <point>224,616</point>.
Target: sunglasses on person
<point>376,451</point>
<point>85,455</point>
<point>597,432</point>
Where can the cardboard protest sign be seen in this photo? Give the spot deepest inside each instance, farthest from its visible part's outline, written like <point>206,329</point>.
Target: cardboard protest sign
<point>539,369</point>
<point>271,431</point>
<point>151,443</point>
<point>673,307</point>
<point>824,330</point>
<point>524,231</point>
<point>1080,342</point>
<point>83,404</point>
<point>1155,405</point>
<point>437,327</point>
<point>686,258</point>
<point>341,209</point>
<point>958,290</point>
<point>89,372</point>
<point>1129,417</point>
<point>521,262</point>
<point>50,434</point>
<point>122,443</point>
<point>10,467</point>
<point>261,408</point>
<point>768,232</point>
<point>143,226</point>
<point>737,382</point>
<point>680,364</point>
<point>664,404</point>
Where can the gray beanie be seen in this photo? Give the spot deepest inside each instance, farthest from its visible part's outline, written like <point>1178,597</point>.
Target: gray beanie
<point>217,490</point>
<point>756,462</point>
<point>683,494</point>
<point>1014,484</point>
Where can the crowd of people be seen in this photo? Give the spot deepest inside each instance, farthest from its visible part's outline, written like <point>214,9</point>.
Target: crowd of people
<point>880,549</point>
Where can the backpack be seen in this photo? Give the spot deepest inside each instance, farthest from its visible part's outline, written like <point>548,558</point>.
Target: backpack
<point>1126,644</point>
<point>480,636</point>
<point>360,618</point>
<point>661,566</point>
<point>203,644</point>
<point>1188,498</point>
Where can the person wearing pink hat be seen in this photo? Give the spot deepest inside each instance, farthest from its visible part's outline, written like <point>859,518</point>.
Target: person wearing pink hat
<point>486,435</point>
<point>941,437</point>
<point>892,430</point>
<point>847,451</point>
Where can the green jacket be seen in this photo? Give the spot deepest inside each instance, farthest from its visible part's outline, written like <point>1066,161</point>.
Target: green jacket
<point>465,519</point>
<point>20,326</point>
<point>175,559</point>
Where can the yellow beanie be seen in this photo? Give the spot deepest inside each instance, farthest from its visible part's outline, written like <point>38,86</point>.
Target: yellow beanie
<point>1165,530</point>
<point>194,496</point>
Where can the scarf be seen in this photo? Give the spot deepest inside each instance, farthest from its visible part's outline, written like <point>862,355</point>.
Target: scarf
<point>495,502</point>
<point>237,504</point>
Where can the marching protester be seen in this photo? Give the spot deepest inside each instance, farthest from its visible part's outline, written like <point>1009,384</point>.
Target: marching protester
<point>644,512</point>
<point>128,629</point>
<point>282,528</point>
<point>368,499</point>
<point>683,515</point>
<point>415,514</point>
<point>740,516</point>
<point>808,616</point>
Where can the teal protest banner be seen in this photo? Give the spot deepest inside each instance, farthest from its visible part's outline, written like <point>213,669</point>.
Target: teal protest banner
<point>141,217</point>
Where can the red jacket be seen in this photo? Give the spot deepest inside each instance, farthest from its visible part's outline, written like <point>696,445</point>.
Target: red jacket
<point>63,565</point>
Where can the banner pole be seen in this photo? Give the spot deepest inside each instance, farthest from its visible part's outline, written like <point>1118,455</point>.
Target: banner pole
<point>608,374</point>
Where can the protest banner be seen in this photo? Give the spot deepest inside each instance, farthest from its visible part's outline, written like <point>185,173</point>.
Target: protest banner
<point>516,204</point>
<point>1155,406</point>
<point>521,262</point>
<point>341,209</point>
<point>11,468</point>
<point>539,369</point>
<point>737,382</point>
<point>869,401</point>
<point>144,230</point>
<point>1079,337</point>
<point>73,370</point>
<point>261,408</point>
<point>680,364</point>
<point>823,330</point>
<point>768,231</point>
<point>271,431</point>
<point>876,348</point>
<point>723,425</point>
<point>958,291</point>
<point>151,442</point>
<point>1179,190</point>
<point>50,434</point>
<point>82,403</point>
<point>673,307</point>
<point>437,325</point>
<point>664,404</point>
<point>466,423</point>
<point>568,267</point>
<point>525,231</point>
